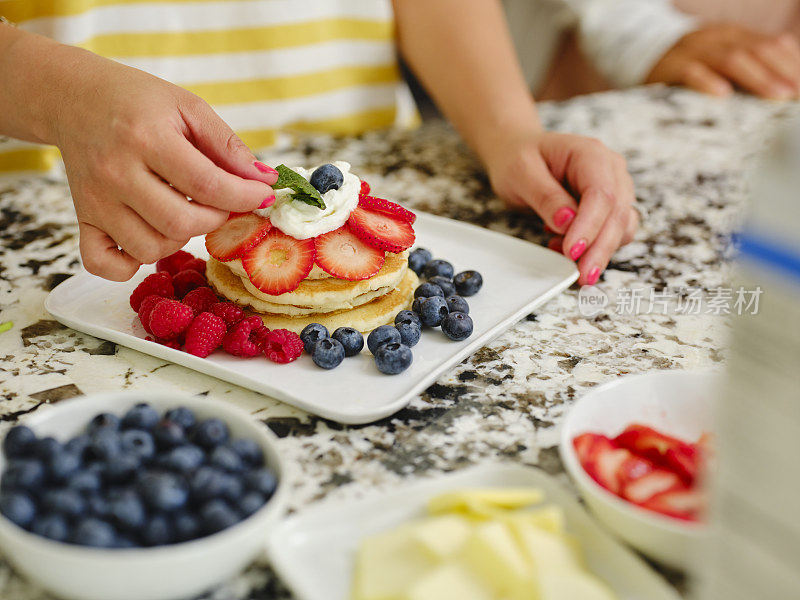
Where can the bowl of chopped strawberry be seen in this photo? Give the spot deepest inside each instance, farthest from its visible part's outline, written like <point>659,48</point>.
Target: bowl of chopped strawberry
<point>639,450</point>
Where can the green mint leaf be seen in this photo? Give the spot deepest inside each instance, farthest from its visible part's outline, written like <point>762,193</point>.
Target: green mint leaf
<point>303,190</point>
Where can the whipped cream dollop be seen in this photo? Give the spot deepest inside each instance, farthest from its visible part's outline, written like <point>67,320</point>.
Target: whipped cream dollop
<point>303,221</point>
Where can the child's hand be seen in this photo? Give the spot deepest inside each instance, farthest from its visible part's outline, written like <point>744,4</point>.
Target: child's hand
<point>534,171</point>
<point>135,147</point>
<point>717,58</point>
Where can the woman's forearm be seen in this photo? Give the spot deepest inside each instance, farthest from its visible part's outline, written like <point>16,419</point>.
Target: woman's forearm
<point>462,53</point>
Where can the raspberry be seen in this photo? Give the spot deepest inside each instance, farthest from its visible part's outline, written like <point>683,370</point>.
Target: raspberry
<point>187,280</point>
<point>282,346</point>
<point>204,334</point>
<point>145,308</point>
<point>229,312</point>
<point>174,262</point>
<point>169,319</point>
<point>159,284</point>
<point>200,299</point>
<point>195,264</point>
<point>243,339</point>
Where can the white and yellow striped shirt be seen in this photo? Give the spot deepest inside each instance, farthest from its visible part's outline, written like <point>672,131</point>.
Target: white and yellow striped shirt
<point>266,66</point>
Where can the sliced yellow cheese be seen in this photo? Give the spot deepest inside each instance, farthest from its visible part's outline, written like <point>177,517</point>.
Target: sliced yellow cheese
<point>450,580</point>
<point>546,551</point>
<point>484,502</point>
<point>441,537</point>
<point>573,585</point>
<point>387,565</point>
<point>550,518</point>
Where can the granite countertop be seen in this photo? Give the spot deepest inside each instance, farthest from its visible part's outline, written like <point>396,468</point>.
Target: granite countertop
<point>688,155</point>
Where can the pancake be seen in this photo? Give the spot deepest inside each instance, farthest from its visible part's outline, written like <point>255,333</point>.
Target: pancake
<point>329,294</point>
<point>235,265</point>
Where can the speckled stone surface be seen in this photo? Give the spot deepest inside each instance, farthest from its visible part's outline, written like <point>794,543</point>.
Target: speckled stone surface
<point>688,155</point>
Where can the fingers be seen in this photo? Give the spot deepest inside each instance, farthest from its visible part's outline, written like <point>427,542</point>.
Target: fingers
<point>548,198</point>
<point>177,161</point>
<point>214,138</point>
<point>699,77</point>
<point>753,75</point>
<point>608,240</point>
<point>135,236</point>
<point>782,57</point>
<point>102,257</point>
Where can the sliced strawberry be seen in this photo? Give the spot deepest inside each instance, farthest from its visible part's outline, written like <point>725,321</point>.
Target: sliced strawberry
<point>685,461</point>
<point>341,254</point>
<point>278,263</point>
<point>236,236</point>
<point>603,463</point>
<point>584,443</point>
<point>364,189</point>
<point>633,468</point>
<point>683,503</point>
<point>380,230</point>
<point>647,486</point>
<point>649,443</point>
<point>387,207</point>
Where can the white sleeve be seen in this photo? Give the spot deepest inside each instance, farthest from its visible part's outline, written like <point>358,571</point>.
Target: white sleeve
<point>626,38</point>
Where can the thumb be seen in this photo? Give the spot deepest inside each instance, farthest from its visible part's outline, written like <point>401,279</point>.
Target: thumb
<point>214,138</point>
<point>548,198</point>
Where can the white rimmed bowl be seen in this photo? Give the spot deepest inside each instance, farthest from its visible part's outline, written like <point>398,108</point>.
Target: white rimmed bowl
<point>164,573</point>
<point>677,403</point>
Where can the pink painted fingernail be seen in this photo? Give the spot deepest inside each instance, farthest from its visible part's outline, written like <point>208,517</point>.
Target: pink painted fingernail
<point>577,249</point>
<point>563,216</point>
<point>268,201</point>
<point>264,168</point>
<point>593,276</point>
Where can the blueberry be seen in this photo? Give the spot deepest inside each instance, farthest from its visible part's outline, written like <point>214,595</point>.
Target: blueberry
<point>187,527</point>
<point>418,258</point>
<point>138,442</point>
<point>393,358</point>
<point>217,515</point>
<point>124,542</point>
<point>18,508</point>
<point>457,304</point>
<point>382,335</point>
<point>48,447</point>
<point>416,306</point>
<point>85,481</point>
<point>207,483</point>
<point>446,284</point>
<point>104,444</point>
<point>64,501</point>
<point>168,435</point>
<point>468,283</point>
<point>121,467</point>
<point>351,340</point>
<point>19,442</point>
<point>457,326</point>
<point>94,533</point>
<point>328,353</point>
<point>226,458</point>
<point>103,421</point>
<point>23,474</point>
<point>183,459</point>
<point>78,445</point>
<point>210,433</point>
<point>252,454</point>
<point>263,481</point>
<point>234,488</point>
<point>433,311</point>
<point>311,334</point>
<point>127,511</point>
<point>162,491</point>
<point>181,415</point>
<point>438,267</point>
<point>141,416</point>
<point>53,527</point>
<point>427,289</point>
<point>407,315</point>
<point>327,177</point>
<point>251,503</point>
<point>158,531</point>
<point>410,332</point>
<point>62,466</point>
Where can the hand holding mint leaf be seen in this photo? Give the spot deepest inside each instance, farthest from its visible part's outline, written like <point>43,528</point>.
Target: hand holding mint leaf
<point>303,190</point>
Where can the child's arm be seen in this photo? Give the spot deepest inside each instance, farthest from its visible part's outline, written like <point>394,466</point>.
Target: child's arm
<point>125,136</point>
<point>462,53</point>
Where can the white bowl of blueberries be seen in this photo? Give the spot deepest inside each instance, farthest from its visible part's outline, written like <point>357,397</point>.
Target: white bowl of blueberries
<point>132,496</point>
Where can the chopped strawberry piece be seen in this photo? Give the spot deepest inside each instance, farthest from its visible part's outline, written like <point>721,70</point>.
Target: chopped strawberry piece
<point>237,235</point>
<point>685,461</point>
<point>633,468</point>
<point>159,284</point>
<point>341,254</point>
<point>649,443</point>
<point>605,465</point>
<point>680,503</point>
<point>278,263</point>
<point>174,262</point>
<point>387,207</point>
<point>187,280</point>
<point>584,443</point>
<point>364,189</point>
<point>380,230</point>
<point>652,483</point>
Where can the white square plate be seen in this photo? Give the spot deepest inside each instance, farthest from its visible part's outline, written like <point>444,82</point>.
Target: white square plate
<point>518,277</point>
<point>313,551</point>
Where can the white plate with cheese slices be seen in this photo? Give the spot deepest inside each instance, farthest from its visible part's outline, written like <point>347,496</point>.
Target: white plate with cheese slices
<point>314,551</point>
<point>518,277</point>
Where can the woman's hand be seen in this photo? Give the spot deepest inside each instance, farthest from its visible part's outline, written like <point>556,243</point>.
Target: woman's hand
<point>135,147</point>
<point>537,169</point>
<point>717,58</point>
